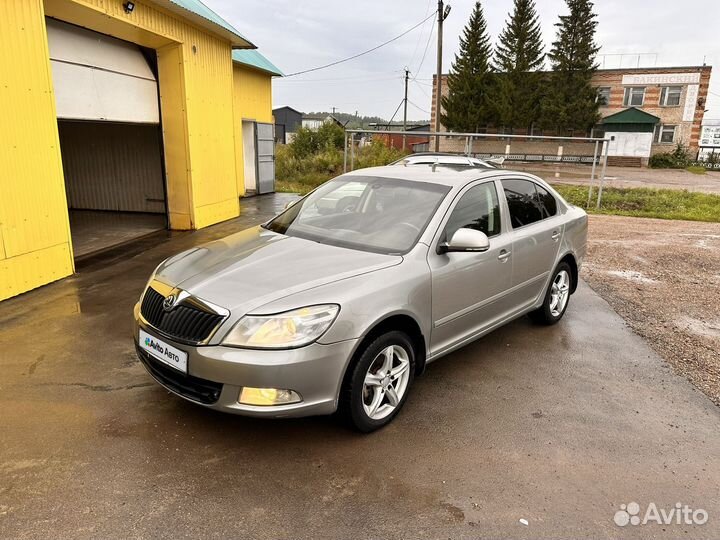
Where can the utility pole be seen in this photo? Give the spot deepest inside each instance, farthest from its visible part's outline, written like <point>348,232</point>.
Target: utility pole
<point>443,12</point>
<point>407,76</point>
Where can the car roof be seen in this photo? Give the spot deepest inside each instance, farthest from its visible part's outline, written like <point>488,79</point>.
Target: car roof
<point>434,174</point>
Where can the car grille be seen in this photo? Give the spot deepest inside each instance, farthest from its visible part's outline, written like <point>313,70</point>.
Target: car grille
<point>194,388</point>
<point>183,322</point>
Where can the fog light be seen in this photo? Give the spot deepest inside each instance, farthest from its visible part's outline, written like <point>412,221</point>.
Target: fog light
<point>267,396</point>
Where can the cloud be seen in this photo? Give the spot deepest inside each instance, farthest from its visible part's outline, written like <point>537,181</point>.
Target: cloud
<point>299,35</point>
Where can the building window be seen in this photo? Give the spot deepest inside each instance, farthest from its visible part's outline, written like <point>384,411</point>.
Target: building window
<point>603,96</point>
<point>665,134</point>
<point>670,96</point>
<point>634,96</point>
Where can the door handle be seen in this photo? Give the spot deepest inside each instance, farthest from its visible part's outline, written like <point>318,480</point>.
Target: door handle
<point>555,235</point>
<point>504,254</point>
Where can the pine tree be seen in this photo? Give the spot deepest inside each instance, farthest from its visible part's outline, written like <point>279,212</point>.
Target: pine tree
<point>518,57</point>
<point>571,101</point>
<point>467,106</point>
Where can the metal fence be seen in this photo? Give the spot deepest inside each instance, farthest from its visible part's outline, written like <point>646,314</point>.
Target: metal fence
<point>591,151</point>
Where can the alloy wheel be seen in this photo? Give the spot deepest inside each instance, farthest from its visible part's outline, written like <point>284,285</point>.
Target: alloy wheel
<point>386,382</point>
<point>559,293</point>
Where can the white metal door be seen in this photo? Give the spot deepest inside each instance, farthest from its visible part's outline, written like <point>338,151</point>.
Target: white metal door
<point>265,146</point>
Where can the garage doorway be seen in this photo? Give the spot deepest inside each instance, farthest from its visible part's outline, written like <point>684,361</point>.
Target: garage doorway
<point>110,140</point>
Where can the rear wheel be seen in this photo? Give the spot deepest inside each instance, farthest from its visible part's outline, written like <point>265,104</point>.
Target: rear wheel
<point>379,383</point>
<point>557,297</point>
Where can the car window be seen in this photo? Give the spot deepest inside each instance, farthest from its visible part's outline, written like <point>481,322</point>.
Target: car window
<point>525,207</point>
<point>477,209</point>
<point>383,215</point>
<point>547,201</point>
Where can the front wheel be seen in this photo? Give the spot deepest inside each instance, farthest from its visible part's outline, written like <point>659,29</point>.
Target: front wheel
<point>379,383</point>
<point>556,298</point>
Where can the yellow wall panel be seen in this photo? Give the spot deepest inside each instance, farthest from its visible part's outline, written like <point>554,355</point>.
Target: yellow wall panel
<point>33,211</point>
<point>175,136</point>
<point>30,270</point>
<point>252,93</point>
<point>214,213</point>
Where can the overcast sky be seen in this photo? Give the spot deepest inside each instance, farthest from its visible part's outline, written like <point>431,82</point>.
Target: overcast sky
<point>297,35</point>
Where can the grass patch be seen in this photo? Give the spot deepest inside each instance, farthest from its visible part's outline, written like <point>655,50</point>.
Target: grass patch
<point>697,170</point>
<point>646,202</point>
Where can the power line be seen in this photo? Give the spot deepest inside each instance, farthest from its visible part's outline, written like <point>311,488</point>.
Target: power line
<point>421,89</point>
<point>418,107</point>
<point>422,60</point>
<point>362,53</point>
<point>420,36</point>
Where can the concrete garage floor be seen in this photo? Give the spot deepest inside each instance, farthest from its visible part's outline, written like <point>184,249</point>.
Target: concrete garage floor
<point>94,231</point>
<point>558,426</point>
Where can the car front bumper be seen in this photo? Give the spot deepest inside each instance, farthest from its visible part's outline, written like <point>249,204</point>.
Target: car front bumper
<point>217,375</point>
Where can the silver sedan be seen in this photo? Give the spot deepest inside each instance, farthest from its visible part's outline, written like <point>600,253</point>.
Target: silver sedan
<point>326,309</point>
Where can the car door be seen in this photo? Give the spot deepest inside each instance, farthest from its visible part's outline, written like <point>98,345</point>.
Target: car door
<point>537,233</point>
<point>468,289</point>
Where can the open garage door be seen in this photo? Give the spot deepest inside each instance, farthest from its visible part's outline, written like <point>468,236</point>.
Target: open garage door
<point>109,125</point>
<point>265,158</point>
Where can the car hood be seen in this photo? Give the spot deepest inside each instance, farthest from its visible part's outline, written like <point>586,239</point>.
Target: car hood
<point>251,268</point>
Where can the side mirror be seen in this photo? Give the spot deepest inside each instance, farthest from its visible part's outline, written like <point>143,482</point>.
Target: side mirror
<point>466,240</point>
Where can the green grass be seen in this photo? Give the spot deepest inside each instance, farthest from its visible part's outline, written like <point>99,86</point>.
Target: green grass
<point>697,170</point>
<point>646,202</point>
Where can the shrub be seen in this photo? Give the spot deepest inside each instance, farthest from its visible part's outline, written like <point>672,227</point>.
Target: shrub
<point>311,141</point>
<point>679,158</point>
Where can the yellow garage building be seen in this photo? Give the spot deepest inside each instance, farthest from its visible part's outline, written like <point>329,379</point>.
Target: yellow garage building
<point>139,115</point>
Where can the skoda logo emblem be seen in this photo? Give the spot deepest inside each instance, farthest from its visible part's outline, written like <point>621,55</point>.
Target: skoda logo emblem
<point>169,302</point>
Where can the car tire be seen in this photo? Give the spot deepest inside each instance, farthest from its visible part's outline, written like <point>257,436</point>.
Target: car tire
<point>368,387</point>
<point>557,297</point>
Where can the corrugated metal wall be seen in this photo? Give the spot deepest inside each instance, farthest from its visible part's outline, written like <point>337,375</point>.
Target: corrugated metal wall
<point>33,214</point>
<point>111,166</point>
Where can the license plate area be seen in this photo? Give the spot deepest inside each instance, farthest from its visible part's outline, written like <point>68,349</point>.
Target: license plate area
<point>164,352</point>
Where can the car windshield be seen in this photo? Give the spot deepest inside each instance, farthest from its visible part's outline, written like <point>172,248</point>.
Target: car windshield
<point>383,215</point>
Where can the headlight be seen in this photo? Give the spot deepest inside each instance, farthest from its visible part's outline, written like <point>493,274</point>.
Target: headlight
<point>284,330</point>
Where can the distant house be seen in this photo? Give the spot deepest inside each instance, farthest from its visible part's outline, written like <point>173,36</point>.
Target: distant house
<point>413,143</point>
<point>287,122</point>
<point>312,121</point>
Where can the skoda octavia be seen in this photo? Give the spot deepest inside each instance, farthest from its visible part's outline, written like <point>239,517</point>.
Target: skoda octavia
<point>339,302</point>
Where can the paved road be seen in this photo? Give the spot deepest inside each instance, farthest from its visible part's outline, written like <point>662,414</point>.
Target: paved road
<point>626,177</point>
<point>557,426</point>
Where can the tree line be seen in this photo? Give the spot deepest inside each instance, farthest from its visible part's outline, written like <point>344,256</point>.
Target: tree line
<point>506,88</point>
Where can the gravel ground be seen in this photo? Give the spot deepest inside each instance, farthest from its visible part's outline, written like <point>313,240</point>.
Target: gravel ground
<point>663,278</point>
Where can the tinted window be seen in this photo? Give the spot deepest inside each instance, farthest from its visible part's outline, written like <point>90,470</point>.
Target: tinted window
<point>547,201</point>
<point>477,209</point>
<point>522,198</point>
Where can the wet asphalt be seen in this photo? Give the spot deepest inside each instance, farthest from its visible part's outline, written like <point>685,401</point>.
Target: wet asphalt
<point>555,426</point>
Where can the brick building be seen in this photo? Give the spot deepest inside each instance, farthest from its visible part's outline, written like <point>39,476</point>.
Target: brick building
<point>646,110</point>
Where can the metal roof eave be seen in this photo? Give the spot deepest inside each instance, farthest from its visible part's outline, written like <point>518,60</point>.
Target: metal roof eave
<point>631,115</point>
<point>202,16</point>
<point>254,59</point>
